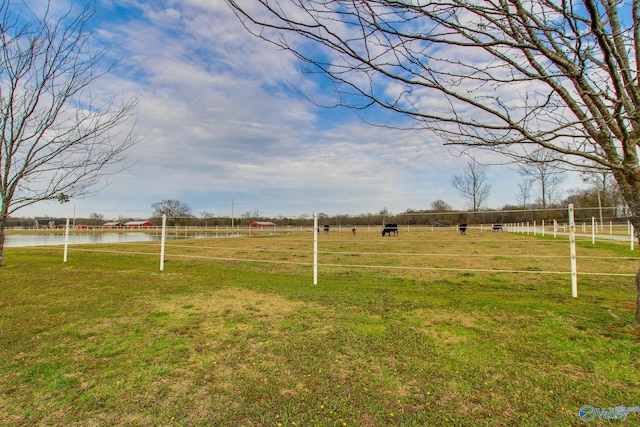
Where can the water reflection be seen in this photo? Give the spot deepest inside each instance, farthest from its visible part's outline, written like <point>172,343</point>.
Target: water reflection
<point>49,239</point>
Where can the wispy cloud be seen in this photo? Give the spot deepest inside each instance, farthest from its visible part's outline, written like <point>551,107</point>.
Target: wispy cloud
<point>219,119</point>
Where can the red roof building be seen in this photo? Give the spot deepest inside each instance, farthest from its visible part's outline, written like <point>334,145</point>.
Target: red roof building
<point>261,224</point>
<point>137,224</point>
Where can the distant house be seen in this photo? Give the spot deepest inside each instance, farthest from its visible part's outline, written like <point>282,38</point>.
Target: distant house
<point>50,223</point>
<point>113,224</point>
<point>138,224</point>
<point>261,224</point>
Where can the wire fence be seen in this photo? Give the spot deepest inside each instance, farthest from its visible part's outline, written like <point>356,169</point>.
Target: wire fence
<point>417,252</point>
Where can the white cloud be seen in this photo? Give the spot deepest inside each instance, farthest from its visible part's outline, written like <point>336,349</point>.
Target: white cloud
<point>219,121</point>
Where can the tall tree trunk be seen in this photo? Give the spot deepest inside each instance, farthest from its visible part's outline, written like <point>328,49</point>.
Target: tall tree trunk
<point>628,180</point>
<point>2,225</point>
<point>635,221</point>
<point>638,298</point>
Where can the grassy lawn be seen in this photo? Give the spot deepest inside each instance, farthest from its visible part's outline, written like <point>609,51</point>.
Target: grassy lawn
<point>400,331</point>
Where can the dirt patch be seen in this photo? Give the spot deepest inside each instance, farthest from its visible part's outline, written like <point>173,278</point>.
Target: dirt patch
<point>234,300</point>
<point>446,317</point>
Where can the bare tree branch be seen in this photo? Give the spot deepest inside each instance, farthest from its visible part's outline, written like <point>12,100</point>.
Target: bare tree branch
<point>56,140</point>
<point>175,210</point>
<point>543,169</point>
<point>545,73</point>
<point>472,183</point>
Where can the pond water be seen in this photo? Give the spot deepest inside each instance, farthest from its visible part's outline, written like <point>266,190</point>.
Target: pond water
<point>49,239</point>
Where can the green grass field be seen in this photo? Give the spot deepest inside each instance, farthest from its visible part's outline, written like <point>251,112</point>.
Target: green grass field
<point>427,328</point>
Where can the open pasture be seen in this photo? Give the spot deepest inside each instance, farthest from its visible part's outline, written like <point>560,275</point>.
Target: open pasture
<point>422,253</point>
<point>426,328</point>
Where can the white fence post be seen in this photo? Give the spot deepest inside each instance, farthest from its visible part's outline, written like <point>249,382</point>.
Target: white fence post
<point>572,245</point>
<point>66,241</point>
<point>593,230</point>
<point>315,248</point>
<point>162,241</point>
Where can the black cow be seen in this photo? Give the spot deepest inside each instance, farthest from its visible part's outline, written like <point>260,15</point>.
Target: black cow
<point>497,227</point>
<point>390,229</point>
<point>326,228</point>
<point>462,228</point>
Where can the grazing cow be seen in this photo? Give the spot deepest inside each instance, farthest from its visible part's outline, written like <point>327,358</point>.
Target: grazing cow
<point>390,229</point>
<point>326,229</point>
<point>462,228</point>
<point>497,227</point>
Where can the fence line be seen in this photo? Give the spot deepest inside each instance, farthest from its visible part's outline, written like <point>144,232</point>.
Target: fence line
<point>358,253</point>
<point>410,254</point>
<point>355,266</point>
<point>196,257</point>
<point>515,228</point>
<point>471,270</point>
<point>76,248</point>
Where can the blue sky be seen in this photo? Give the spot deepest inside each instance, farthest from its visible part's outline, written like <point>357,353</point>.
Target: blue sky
<point>219,121</point>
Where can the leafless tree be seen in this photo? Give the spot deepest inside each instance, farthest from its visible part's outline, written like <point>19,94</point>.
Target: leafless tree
<point>473,185</point>
<point>524,192</point>
<point>495,74</point>
<point>206,215</point>
<point>384,213</point>
<point>543,168</point>
<point>96,218</point>
<point>252,215</point>
<point>57,141</point>
<point>175,210</point>
<point>605,186</point>
<point>440,206</point>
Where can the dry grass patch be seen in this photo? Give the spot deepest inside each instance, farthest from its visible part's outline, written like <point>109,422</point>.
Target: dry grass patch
<point>235,299</point>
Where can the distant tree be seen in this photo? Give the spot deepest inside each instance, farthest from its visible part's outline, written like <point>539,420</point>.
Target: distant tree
<point>206,215</point>
<point>583,198</point>
<point>606,188</point>
<point>384,215</point>
<point>175,210</point>
<point>440,206</point>
<point>96,218</point>
<point>56,140</point>
<point>605,184</point>
<point>472,183</point>
<point>524,192</point>
<point>544,167</point>
<point>252,215</point>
